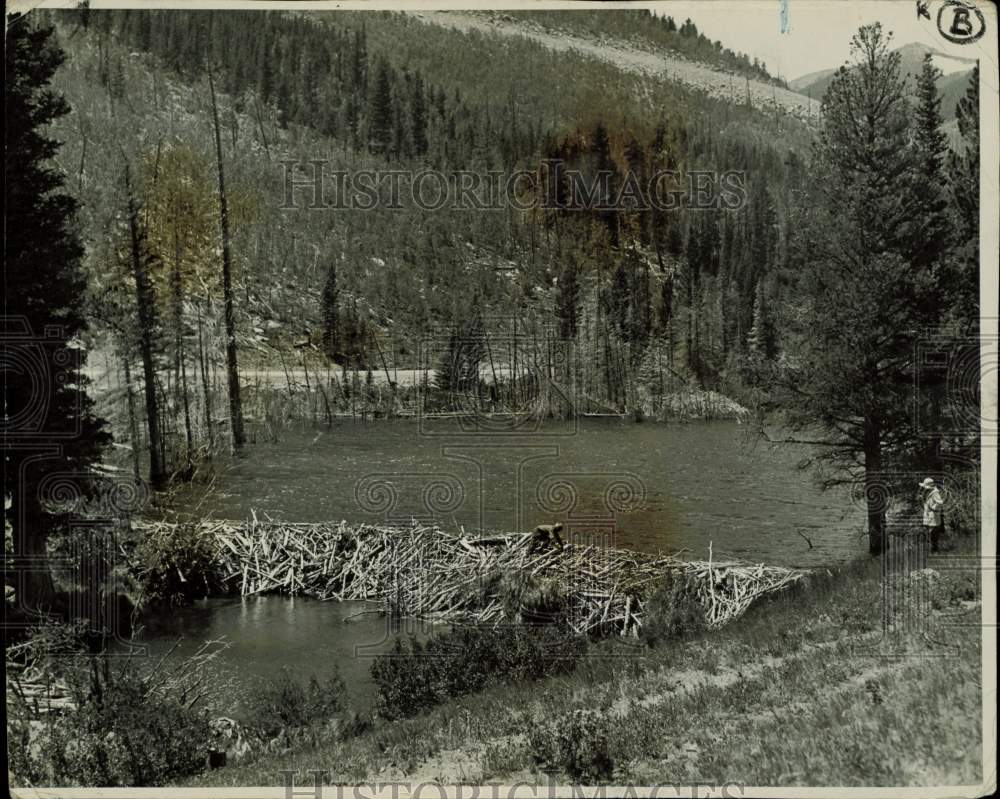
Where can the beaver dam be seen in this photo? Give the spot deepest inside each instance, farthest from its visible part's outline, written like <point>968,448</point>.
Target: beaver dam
<point>424,572</point>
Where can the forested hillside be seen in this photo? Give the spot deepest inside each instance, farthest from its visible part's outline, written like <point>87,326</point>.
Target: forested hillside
<point>650,298</point>
<point>384,91</point>
<point>642,27</point>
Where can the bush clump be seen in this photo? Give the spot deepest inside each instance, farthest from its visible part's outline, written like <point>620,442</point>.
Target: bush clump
<point>285,705</point>
<point>415,676</point>
<point>179,564</point>
<point>962,513</point>
<point>574,743</point>
<point>673,610</point>
<point>526,598</point>
<point>118,736</point>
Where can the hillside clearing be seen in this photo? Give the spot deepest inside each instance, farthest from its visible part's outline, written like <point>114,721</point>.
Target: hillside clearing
<point>630,57</point>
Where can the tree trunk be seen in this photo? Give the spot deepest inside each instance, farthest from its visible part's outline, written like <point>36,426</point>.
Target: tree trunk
<point>133,424</point>
<point>875,495</point>
<point>180,369</point>
<point>36,590</point>
<point>177,296</point>
<point>187,412</point>
<point>932,453</point>
<point>143,298</point>
<point>513,371</point>
<point>260,125</point>
<point>232,367</point>
<point>206,388</point>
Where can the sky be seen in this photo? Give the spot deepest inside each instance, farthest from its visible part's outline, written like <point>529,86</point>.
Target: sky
<point>820,30</point>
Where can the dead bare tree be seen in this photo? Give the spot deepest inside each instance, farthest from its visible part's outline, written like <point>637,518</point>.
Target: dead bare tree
<point>232,366</point>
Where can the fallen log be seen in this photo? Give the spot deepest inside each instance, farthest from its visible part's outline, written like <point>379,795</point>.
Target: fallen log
<point>423,571</point>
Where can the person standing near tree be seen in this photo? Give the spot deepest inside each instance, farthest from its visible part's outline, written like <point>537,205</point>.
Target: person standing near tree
<point>933,521</point>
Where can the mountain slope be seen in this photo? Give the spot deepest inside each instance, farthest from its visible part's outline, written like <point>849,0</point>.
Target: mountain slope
<point>631,57</point>
<point>951,85</point>
<point>802,84</point>
<point>368,94</point>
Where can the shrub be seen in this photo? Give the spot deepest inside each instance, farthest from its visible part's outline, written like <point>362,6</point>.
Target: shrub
<point>672,611</point>
<point>945,590</point>
<point>962,516</point>
<point>574,743</point>
<point>502,757</point>
<point>415,676</point>
<point>116,721</point>
<point>20,760</point>
<point>118,736</point>
<point>527,598</point>
<point>284,704</point>
<point>857,611</point>
<point>179,564</point>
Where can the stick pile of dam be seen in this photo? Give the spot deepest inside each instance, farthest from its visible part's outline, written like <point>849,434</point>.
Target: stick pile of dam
<point>424,572</point>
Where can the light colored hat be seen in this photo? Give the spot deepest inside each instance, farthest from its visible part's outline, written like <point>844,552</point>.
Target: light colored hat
<point>927,483</point>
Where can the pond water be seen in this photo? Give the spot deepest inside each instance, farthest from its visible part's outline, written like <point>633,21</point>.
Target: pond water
<point>650,487</point>
<point>267,634</point>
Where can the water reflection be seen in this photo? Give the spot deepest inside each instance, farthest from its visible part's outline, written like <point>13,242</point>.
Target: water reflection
<point>268,633</point>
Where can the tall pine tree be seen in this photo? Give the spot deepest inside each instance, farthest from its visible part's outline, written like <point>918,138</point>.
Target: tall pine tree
<point>568,299</point>
<point>418,117</point>
<point>961,282</point>
<point>49,425</point>
<point>931,146</point>
<point>380,119</point>
<point>853,375</point>
<point>930,236</point>
<point>331,315</point>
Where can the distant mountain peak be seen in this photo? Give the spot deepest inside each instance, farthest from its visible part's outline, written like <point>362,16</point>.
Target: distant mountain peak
<point>917,48</point>
<point>911,55</point>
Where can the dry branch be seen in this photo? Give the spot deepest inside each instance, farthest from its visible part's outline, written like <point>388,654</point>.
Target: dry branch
<point>423,571</point>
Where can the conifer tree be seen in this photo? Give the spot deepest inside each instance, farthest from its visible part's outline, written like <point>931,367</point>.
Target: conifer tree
<point>418,117</point>
<point>458,370</point>
<point>618,298</point>
<point>961,281</point>
<point>606,173</point>
<point>931,146</point>
<point>380,117</point>
<point>568,300</point>
<point>762,338</point>
<point>666,304</point>
<point>930,236</point>
<point>331,314</point>
<point>853,371</point>
<point>49,424</point>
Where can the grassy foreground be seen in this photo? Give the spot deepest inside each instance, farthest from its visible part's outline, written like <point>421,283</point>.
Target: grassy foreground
<point>806,689</point>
